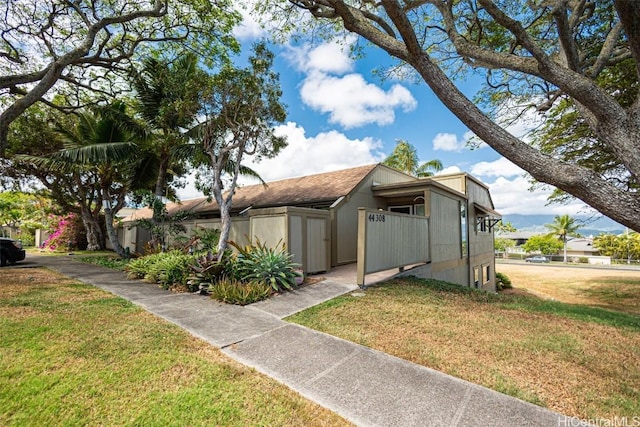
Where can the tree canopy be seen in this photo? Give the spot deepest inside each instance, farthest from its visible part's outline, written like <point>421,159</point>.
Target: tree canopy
<point>533,55</point>
<point>241,115</point>
<point>404,157</point>
<point>562,227</point>
<point>83,47</point>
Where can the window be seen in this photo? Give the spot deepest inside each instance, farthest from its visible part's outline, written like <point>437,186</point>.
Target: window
<point>418,210</point>
<point>463,229</point>
<point>476,277</point>
<point>401,209</point>
<point>483,224</point>
<point>486,274</point>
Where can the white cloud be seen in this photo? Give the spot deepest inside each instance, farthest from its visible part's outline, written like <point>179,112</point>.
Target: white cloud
<point>329,57</point>
<point>330,87</point>
<point>449,170</point>
<point>324,152</point>
<point>500,167</point>
<point>249,28</point>
<point>513,197</point>
<point>351,101</point>
<point>451,142</point>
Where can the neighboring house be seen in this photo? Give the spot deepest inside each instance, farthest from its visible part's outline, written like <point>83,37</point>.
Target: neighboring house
<point>581,247</point>
<point>519,237</point>
<point>316,216</point>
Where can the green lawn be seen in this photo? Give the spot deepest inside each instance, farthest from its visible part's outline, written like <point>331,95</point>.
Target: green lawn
<point>71,354</point>
<point>575,359</point>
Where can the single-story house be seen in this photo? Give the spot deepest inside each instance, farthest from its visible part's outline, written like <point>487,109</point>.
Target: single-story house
<point>316,216</point>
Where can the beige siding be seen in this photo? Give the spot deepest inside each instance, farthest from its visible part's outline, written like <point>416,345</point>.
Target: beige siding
<point>387,240</point>
<point>344,231</point>
<point>455,182</point>
<point>481,243</point>
<point>306,238</point>
<point>317,242</point>
<point>445,227</point>
<point>269,230</point>
<point>239,232</point>
<point>296,239</point>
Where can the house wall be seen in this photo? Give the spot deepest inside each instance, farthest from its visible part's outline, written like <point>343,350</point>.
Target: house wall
<point>482,261</point>
<point>447,262</point>
<point>305,233</point>
<point>387,240</point>
<point>240,227</point>
<point>344,215</point>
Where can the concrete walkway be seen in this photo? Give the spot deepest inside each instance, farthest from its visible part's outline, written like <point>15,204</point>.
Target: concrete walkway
<point>365,386</point>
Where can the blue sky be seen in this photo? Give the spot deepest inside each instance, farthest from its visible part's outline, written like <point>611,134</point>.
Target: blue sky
<point>341,115</point>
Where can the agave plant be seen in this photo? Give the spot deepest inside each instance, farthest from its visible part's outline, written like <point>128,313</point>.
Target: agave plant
<point>206,271</point>
<point>273,266</point>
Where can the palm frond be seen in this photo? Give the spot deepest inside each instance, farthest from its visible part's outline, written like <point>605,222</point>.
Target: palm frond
<point>108,152</point>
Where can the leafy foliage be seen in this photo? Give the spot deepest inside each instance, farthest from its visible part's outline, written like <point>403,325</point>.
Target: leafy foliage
<point>170,269</point>
<point>233,291</point>
<point>544,244</point>
<point>502,281</point>
<point>501,244</point>
<point>23,213</point>
<point>273,266</point>
<point>67,235</point>
<point>162,225</point>
<point>562,227</point>
<point>623,247</point>
<point>532,55</point>
<point>241,115</point>
<point>404,157</point>
<point>82,49</point>
<point>207,271</point>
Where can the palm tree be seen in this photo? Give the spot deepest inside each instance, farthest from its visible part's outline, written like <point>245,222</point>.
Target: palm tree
<point>169,96</point>
<point>562,227</point>
<point>102,145</point>
<point>404,157</point>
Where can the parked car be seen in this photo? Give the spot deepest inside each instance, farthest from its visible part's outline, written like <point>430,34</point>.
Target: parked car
<point>537,259</point>
<point>10,251</point>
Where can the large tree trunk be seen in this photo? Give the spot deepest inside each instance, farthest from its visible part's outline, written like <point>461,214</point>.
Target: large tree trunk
<point>225,229</point>
<point>111,231</point>
<point>95,241</point>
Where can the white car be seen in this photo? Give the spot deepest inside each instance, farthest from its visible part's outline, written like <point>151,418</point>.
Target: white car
<point>537,259</point>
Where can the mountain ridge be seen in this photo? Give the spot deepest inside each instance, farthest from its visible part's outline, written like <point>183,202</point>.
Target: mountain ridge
<point>591,225</point>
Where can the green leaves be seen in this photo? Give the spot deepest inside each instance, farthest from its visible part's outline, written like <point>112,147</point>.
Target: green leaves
<point>405,158</point>
<point>273,266</point>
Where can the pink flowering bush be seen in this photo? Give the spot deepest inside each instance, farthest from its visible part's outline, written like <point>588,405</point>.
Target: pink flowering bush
<point>64,233</point>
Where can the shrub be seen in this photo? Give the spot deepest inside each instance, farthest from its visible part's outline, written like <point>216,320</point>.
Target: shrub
<point>206,271</point>
<point>272,266</point>
<point>502,281</point>
<point>138,268</point>
<point>170,269</point>
<point>166,268</point>
<point>233,291</point>
<point>66,234</point>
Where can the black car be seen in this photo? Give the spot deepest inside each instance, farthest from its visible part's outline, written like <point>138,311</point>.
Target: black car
<point>10,251</point>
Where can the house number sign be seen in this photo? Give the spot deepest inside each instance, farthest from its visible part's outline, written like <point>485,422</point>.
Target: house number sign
<point>376,217</point>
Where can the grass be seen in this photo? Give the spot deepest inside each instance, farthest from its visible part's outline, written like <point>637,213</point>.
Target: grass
<point>611,289</point>
<point>71,354</point>
<point>576,359</point>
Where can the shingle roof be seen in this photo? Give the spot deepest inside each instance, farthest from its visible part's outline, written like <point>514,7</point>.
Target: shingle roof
<point>305,190</point>
<point>301,190</point>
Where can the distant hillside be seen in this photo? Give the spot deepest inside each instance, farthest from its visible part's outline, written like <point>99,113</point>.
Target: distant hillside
<point>591,225</point>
